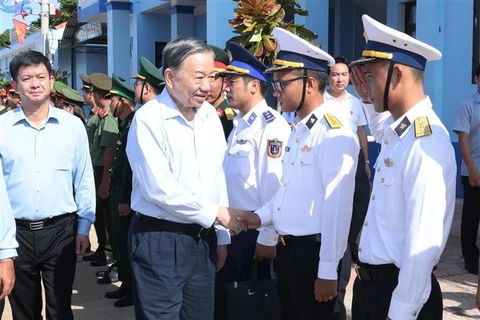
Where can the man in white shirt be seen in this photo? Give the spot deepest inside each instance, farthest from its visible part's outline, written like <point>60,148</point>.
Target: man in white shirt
<point>413,197</point>
<point>253,162</point>
<point>313,208</point>
<point>339,97</point>
<point>176,149</point>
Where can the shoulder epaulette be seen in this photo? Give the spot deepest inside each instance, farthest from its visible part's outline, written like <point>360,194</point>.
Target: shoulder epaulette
<point>422,127</point>
<point>268,116</point>
<point>332,121</point>
<point>229,113</point>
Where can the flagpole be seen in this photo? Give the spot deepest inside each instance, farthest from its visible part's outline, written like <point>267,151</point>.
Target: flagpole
<point>45,17</point>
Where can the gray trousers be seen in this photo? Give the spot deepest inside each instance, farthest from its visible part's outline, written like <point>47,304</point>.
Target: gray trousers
<point>173,274</point>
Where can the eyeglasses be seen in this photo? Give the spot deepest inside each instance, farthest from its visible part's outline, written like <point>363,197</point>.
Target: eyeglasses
<point>136,83</point>
<point>279,85</point>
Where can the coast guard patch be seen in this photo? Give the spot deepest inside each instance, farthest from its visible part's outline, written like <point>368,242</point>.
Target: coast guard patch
<point>274,148</point>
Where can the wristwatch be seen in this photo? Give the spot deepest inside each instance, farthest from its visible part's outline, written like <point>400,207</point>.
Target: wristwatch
<point>367,161</point>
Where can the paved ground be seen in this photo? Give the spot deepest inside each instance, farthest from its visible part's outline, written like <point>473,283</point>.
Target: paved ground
<point>458,287</point>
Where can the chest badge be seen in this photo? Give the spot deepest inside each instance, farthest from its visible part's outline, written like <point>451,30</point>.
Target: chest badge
<point>306,148</point>
<point>274,148</point>
<point>388,162</point>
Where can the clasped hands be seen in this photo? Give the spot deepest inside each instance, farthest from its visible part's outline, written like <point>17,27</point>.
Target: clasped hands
<point>237,220</point>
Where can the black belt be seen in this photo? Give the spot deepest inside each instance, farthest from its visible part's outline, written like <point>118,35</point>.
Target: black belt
<point>40,224</point>
<point>288,241</point>
<point>383,272</point>
<point>193,230</point>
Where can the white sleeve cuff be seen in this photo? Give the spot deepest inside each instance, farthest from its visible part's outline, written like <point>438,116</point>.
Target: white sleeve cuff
<point>328,271</point>
<point>267,236</point>
<point>8,253</point>
<point>208,215</point>
<point>403,311</point>
<point>265,216</point>
<point>223,235</point>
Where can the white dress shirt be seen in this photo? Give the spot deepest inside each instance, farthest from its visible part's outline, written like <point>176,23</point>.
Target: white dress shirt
<point>375,120</point>
<point>177,167</point>
<point>253,162</point>
<point>317,187</point>
<point>411,206</point>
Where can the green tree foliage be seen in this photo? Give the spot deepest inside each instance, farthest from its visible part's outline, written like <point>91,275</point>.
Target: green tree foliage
<point>5,39</point>
<point>255,19</point>
<point>68,9</point>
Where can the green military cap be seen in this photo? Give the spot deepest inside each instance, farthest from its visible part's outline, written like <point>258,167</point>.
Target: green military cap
<point>149,73</point>
<point>72,98</point>
<point>85,81</point>
<point>100,81</point>
<point>221,58</point>
<point>122,89</point>
<point>58,87</point>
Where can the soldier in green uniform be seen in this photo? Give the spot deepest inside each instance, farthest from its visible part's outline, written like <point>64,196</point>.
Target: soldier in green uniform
<point>123,107</point>
<point>13,100</point>
<point>216,97</point>
<point>93,118</point>
<point>149,82</point>
<point>71,104</point>
<point>102,151</point>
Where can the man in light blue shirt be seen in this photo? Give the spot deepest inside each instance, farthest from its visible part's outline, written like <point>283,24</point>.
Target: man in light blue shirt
<point>8,244</point>
<point>48,173</point>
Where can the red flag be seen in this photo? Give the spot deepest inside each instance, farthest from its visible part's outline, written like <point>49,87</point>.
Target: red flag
<point>20,30</point>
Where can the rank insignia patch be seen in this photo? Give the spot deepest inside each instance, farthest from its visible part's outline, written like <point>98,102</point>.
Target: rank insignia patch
<point>311,121</point>
<point>274,148</point>
<point>268,116</point>
<point>332,121</point>
<point>422,127</point>
<point>402,127</point>
<point>252,118</point>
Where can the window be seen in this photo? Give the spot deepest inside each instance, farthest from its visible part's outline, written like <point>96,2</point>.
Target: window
<point>159,46</point>
<point>411,18</point>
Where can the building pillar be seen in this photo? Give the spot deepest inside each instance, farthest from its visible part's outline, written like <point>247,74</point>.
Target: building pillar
<point>219,12</point>
<point>181,21</point>
<point>317,19</point>
<point>119,39</point>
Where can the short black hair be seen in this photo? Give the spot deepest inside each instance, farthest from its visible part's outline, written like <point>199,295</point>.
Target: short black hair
<point>320,76</point>
<point>29,59</point>
<point>340,59</point>
<point>477,71</point>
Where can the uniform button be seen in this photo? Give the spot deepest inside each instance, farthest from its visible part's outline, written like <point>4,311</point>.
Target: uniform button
<point>382,180</point>
<point>301,162</point>
<point>378,169</point>
<point>292,163</point>
<point>366,224</point>
<point>415,314</point>
<point>373,197</point>
<point>359,249</point>
<point>386,142</point>
<point>296,140</point>
<point>278,209</point>
<point>284,184</point>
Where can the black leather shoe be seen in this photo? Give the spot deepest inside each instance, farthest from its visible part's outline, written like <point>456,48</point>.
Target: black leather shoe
<point>126,301</point>
<point>95,256</point>
<point>111,277</point>
<point>117,294</point>
<point>102,273</point>
<point>472,268</point>
<point>101,261</point>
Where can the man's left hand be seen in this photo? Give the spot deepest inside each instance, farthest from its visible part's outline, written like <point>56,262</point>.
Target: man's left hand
<point>82,243</point>
<point>222,253</point>
<point>104,190</point>
<point>7,277</point>
<point>325,290</point>
<point>124,209</point>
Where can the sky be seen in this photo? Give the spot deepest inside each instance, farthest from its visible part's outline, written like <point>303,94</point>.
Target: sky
<point>6,18</point>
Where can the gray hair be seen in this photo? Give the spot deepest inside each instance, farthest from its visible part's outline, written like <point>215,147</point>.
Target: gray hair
<point>176,51</point>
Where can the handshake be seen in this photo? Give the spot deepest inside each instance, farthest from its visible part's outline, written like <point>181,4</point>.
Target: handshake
<point>237,220</point>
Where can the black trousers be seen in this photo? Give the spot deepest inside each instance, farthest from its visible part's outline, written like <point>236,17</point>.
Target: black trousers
<point>2,306</point>
<point>102,212</point>
<point>371,300</point>
<point>360,206</point>
<point>174,274</point>
<point>49,255</point>
<point>469,223</point>
<point>119,239</point>
<point>297,268</point>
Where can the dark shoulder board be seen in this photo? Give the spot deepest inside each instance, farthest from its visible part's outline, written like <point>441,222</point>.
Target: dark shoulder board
<point>268,116</point>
